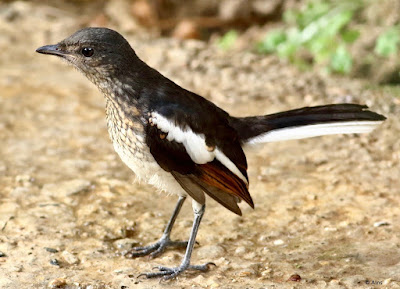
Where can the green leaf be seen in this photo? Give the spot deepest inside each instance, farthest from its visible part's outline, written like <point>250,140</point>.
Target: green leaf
<point>337,21</point>
<point>228,40</point>
<point>318,30</point>
<point>388,42</point>
<point>312,11</point>
<point>287,50</point>
<point>272,41</point>
<point>341,60</point>
<point>349,36</point>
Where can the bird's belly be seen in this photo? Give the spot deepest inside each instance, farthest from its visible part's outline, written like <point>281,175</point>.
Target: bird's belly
<point>134,152</point>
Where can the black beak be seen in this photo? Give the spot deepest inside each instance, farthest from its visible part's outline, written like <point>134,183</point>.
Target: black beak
<point>51,49</point>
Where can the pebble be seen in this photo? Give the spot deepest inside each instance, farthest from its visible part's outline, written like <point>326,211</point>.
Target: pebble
<point>279,242</point>
<point>54,262</point>
<point>199,279</point>
<point>335,284</point>
<point>267,272</point>
<point>125,244</point>
<point>24,179</point>
<point>381,223</point>
<point>210,252</point>
<point>240,250</point>
<point>66,188</point>
<point>51,250</point>
<point>330,229</point>
<point>17,268</point>
<point>57,283</point>
<point>295,278</point>
<point>2,254</point>
<point>20,192</point>
<point>70,258</point>
<point>246,272</point>
<point>126,270</point>
<point>215,285</point>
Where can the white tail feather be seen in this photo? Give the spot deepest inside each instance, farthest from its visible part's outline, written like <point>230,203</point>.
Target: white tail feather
<point>313,130</point>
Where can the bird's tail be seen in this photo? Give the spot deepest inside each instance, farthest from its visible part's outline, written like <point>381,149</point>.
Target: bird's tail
<point>307,122</point>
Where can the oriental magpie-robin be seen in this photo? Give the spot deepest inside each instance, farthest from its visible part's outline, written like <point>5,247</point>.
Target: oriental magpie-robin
<point>182,143</point>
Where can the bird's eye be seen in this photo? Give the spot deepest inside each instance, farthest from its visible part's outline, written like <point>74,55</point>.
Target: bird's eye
<point>87,51</point>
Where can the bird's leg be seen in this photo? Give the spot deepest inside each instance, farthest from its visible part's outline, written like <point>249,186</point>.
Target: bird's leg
<point>159,247</point>
<point>169,273</point>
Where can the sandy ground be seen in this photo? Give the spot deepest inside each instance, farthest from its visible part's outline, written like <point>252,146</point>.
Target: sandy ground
<point>326,208</point>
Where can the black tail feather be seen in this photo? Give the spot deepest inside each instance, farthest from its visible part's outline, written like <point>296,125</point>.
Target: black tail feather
<point>250,127</point>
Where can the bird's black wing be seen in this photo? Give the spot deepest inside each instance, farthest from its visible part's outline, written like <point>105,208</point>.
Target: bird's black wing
<point>191,138</point>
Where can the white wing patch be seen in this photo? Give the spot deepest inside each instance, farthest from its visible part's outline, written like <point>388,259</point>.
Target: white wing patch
<point>314,130</point>
<point>195,144</point>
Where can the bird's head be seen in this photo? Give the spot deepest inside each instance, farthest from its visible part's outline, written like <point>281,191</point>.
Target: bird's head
<point>97,52</point>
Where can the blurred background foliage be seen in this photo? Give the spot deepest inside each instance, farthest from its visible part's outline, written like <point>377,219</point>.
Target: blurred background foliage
<point>322,33</point>
<point>354,38</point>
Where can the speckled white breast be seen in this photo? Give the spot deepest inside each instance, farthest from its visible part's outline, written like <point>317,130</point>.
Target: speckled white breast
<point>129,142</point>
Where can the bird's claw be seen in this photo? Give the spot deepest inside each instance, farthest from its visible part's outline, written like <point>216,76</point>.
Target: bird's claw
<point>168,273</point>
<point>155,249</point>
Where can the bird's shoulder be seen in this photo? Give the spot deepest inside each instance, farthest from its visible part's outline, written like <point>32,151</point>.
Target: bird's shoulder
<point>188,111</point>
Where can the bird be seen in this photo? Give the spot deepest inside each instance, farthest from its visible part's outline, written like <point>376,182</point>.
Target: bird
<point>180,142</point>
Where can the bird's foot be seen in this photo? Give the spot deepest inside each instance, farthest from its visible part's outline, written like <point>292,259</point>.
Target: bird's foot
<point>155,249</point>
<point>169,273</point>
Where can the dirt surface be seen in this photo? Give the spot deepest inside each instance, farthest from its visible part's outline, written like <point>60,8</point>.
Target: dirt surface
<point>327,208</point>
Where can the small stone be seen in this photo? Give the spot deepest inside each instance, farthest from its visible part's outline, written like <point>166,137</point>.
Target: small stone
<point>23,178</point>
<point>295,278</point>
<point>51,250</point>
<point>66,188</point>
<point>279,242</point>
<point>57,283</point>
<point>267,272</point>
<point>199,279</point>
<point>125,244</point>
<point>54,262</point>
<point>250,256</point>
<point>330,229</point>
<point>2,254</point>
<point>335,284</point>
<point>240,250</point>
<point>126,271</point>
<point>312,197</point>
<point>210,252</point>
<point>17,268</point>
<point>70,258</point>
<point>20,192</point>
<point>381,223</point>
<point>246,272</point>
